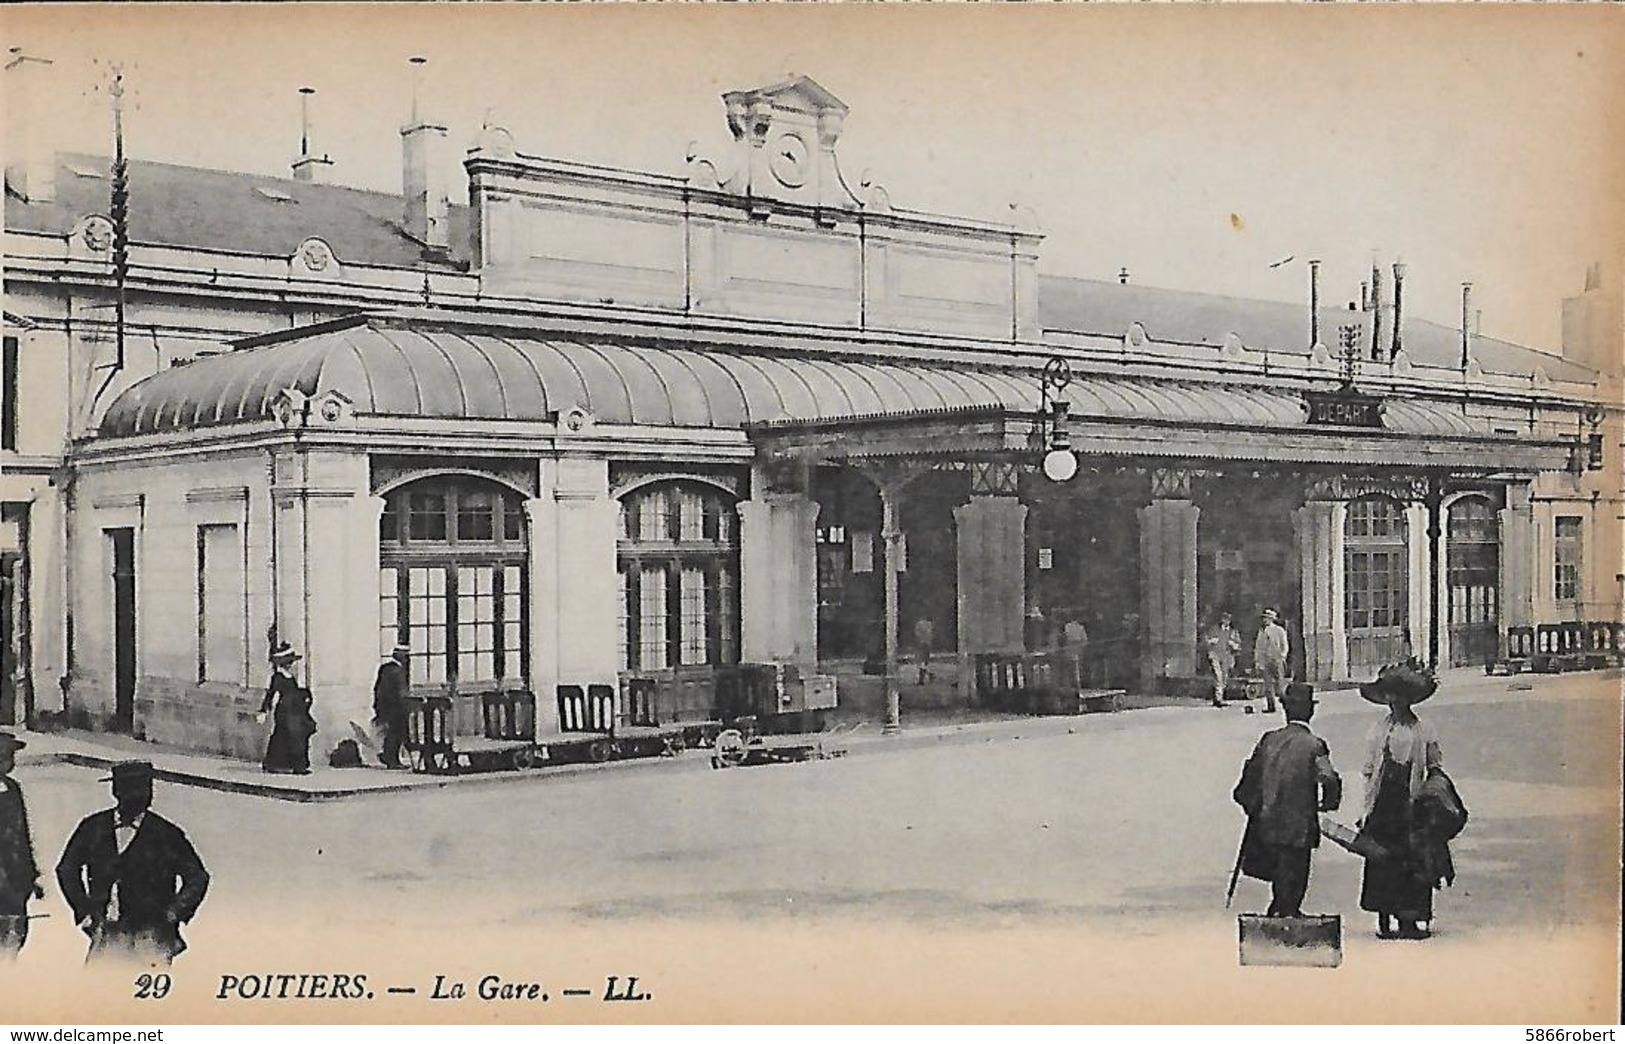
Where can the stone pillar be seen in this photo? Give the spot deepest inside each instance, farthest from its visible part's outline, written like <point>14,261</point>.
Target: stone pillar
<point>1168,590</point>
<point>573,608</point>
<point>327,584</point>
<point>1517,593</point>
<point>47,598</point>
<point>778,579</point>
<point>541,536</point>
<point>1418,578</point>
<point>991,536</point>
<point>1319,525</point>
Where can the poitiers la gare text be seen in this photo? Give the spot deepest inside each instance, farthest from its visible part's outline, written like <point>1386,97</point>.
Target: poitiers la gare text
<point>354,986</point>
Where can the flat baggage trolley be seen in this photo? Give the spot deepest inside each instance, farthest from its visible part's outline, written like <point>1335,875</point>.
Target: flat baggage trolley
<point>507,739</point>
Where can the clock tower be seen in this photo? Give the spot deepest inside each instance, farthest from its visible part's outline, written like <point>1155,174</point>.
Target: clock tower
<point>785,138</point>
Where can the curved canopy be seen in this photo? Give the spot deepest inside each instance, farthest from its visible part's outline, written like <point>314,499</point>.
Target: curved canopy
<point>388,366</point>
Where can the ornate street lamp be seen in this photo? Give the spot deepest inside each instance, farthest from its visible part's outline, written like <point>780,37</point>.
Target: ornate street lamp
<point>1060,463</point>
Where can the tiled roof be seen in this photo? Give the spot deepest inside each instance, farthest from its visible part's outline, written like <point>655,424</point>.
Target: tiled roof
<point>224,210</point>
<point>1109,308</point>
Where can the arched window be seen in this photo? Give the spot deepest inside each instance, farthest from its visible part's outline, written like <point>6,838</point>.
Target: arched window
<point>1376,562</point>
<point>679,577</point>
<point>452,584</point>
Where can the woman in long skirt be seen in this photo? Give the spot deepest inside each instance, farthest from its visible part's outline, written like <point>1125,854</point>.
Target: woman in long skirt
<point>292,724</point>
<point>1402,750</point>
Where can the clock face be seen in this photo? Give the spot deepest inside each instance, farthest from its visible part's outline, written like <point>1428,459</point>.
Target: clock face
<point>787,160</point>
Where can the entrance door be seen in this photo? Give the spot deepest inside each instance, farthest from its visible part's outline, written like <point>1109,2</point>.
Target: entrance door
<point>1473,571</point>
<point>122,542</point>
<point>1376,583</point>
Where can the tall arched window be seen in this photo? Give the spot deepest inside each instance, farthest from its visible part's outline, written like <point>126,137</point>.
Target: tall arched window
<point>679,576</point>
<point>1376,562</point>
<point>452,585</point>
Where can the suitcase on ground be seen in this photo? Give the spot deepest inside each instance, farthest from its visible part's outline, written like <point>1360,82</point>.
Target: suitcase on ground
<point>1311,941</point>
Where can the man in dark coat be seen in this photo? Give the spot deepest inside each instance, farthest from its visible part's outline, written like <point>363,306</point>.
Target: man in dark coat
<point>131,876</point>
<point>1284,786</point>
<point>389,694</point>
<point>19,877</point>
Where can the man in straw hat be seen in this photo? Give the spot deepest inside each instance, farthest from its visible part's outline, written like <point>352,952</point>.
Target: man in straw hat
<point>19,876</point>
<point>389,692</point>
<point>1269,657</point>
<point>131,876</point>
<point>1284,786</point>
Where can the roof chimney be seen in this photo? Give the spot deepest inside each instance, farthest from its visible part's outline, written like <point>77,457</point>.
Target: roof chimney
<point>424,164</point>
<point>30,163</point>
<point>1122,276</point>
<point>1377,307</point>
<point>1399,308</point>
<point>1314,304</point>
<point>309,166</point>
<point>1466,331</point>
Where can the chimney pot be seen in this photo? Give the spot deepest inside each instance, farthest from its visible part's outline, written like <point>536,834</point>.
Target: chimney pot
<point>1122,276</point>
<point>30,168</point>
<point>425,161</point>
<point>309,167</point>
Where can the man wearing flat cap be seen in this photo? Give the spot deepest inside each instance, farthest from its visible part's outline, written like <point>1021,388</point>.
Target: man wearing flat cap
<point>19,876</point>
<point>1284,786</point>
<point>131,876</point>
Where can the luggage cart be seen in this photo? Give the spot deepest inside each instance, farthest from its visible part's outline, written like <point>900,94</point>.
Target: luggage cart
<point>743,746</point>
<point>507,739</point>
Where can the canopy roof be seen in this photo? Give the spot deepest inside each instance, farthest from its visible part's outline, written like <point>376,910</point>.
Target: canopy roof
<point>410,366</point>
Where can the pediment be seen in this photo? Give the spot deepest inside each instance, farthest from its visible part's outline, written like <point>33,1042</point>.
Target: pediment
<point>798,94</point>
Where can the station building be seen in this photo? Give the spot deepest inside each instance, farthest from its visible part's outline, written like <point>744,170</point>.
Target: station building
<point>600,424</point>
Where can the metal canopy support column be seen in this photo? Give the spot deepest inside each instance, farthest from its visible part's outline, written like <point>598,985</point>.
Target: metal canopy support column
<point>1435,499</point>
<point>891,479</point>
<point>891,535</point>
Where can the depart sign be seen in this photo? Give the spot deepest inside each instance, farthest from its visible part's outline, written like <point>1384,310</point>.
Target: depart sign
<point>1344,409</point>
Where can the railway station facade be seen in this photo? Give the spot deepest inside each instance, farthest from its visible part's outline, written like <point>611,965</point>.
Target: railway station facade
<point>600,424</point>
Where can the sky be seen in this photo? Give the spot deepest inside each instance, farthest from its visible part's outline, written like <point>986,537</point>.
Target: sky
<point>1195,146</point>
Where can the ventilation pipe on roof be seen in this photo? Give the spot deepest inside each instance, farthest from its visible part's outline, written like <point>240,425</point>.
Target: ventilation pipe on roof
<point>424,164</point>
<point>1378,306</point>
<point>1314,304</point>
<point>308,167</point>
<point>1399,308</point>
<point>30,163</point>
<point>1466,329</point>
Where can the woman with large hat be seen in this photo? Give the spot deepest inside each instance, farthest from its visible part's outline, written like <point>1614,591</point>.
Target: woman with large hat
<point>288,702</point>
<point>1401,751</point>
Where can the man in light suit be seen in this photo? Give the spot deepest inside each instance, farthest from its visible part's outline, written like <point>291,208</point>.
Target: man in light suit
<point>131,876</point>
<point>1284,786</point>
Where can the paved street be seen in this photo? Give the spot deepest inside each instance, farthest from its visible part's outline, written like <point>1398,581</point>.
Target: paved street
<point>1072,875</point>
